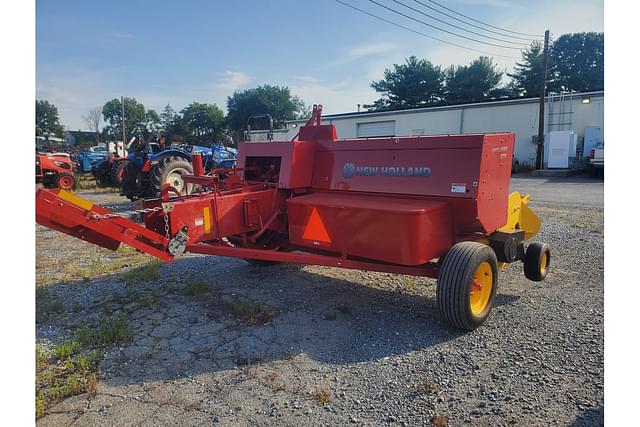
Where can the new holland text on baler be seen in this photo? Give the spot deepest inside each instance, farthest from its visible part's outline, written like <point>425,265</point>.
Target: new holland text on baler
<point>435,206</point>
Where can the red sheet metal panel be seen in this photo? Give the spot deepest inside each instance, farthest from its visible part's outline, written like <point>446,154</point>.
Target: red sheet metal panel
<point>472,171</point>
<point>398,230</point>
<point>296,163</point>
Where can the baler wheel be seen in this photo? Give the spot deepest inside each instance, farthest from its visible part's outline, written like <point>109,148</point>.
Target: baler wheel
<point>537,260</point>
<point>66,181</point>
<point>467,285</point>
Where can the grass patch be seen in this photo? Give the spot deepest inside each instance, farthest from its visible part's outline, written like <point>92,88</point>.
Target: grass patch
<point>253,313</point>
<point>110,331</point>
<point>71,368</point>
<point>85,262</point>
<point>146,273</point>
<point>408,282</point>
<point>66,349</point>
<point>195,289</point>
<point>48,305</point>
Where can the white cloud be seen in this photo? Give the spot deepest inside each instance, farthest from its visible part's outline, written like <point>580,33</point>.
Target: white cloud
<point>369,49</point>
<point>232,80</point>
<point>335,97</point>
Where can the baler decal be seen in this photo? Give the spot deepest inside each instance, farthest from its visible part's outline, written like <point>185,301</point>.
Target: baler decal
<point>315,229</point>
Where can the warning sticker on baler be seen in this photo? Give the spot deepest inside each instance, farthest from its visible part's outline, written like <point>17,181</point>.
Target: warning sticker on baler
<point>457,187</point>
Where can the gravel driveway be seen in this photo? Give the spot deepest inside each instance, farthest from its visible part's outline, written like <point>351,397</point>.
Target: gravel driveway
<point>339,346</point>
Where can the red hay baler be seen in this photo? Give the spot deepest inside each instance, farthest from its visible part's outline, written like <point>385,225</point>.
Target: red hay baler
<point>435,206</point>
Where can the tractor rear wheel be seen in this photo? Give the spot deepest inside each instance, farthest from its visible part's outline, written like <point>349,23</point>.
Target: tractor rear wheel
<point>467,285</point>
<point>117,172</point>
<point>66,181</point>
<point>537,259</point>
<point>170,171</point>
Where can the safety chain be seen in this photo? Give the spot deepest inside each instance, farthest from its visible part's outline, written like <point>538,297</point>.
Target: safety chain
<point>166,226</point>
<point>128,214</point>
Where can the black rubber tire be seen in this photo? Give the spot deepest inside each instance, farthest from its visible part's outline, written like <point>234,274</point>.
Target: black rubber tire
<point>164,168</point>
<point>66,181</point>
<point>116,173</point>
<point>533,260</point>
<point>129,185</point>
<point>455,280</point>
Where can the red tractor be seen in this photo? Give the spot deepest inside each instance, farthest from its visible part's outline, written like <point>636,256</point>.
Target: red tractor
<point>435,206</point>
<point>55,170</point>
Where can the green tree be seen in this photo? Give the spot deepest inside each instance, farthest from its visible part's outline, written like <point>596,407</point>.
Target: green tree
<point>416,83</point>
<point>134,114</point>
<point>47,120</point>
<point>474,82</point>
<point>152,123</point>
<point>203,124</point>
<point>527,75</point>
<point>275,100</point>
<point>579,60</point>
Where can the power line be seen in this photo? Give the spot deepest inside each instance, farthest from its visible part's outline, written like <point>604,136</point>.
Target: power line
<point>473,25</point>
<point>441,29</point>
<point>458,27</point>
<point>423,34</point>
<point>483,23</point>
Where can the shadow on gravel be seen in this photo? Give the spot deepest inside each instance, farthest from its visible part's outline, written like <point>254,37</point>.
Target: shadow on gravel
<point>590,417</point>
<point>181,329</point>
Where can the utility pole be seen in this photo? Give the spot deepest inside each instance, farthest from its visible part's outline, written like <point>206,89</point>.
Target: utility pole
<point>124,135</point>
<point>543,88</point>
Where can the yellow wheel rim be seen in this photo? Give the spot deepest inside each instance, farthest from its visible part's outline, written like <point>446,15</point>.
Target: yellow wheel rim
<point>481,287</point>
<point>543,263</point>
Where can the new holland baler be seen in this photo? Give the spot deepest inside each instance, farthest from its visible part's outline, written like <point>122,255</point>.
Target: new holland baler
<point>434,206</point>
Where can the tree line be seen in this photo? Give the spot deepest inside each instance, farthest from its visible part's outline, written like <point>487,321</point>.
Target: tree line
<point>198,123</point>
<point>576,64</point>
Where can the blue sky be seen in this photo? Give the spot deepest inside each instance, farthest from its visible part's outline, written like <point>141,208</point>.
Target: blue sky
<point>178,52</point>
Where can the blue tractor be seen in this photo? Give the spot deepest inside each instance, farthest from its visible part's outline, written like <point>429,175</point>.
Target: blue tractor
<point>149,168</point>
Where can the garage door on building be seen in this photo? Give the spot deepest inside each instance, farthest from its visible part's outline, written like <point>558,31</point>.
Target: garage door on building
<point>372,129</point>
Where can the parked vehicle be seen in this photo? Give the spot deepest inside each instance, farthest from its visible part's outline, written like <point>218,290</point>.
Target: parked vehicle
<point>87,160</point>
<point>55,170</point>
<point>148,168</point>
<point>595,163</point>
<point>110,171</point>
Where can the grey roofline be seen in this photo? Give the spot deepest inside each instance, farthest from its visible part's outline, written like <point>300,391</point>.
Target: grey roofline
<point>449,107</point>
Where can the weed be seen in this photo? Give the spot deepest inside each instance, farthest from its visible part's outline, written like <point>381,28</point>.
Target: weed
<point>408,282</point>
<point>146,273</point>
<point>77,308</point>
<point>91,386</point>
<point>253,313</point>
<point>195,289</point>
<point>66,349</point>
<point>83,363</point>
<point>323,396</point>
<point>271,376</point>
<point>48,305</point>
<point>439,421</point>
<point>110,331</point>
<point>428,386</point>
<point>42,357</point>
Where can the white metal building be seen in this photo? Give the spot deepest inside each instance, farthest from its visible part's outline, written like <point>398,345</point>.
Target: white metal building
<point>582,113</point>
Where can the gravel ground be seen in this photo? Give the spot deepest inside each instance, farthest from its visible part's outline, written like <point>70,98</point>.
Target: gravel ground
<point>342,346</point>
